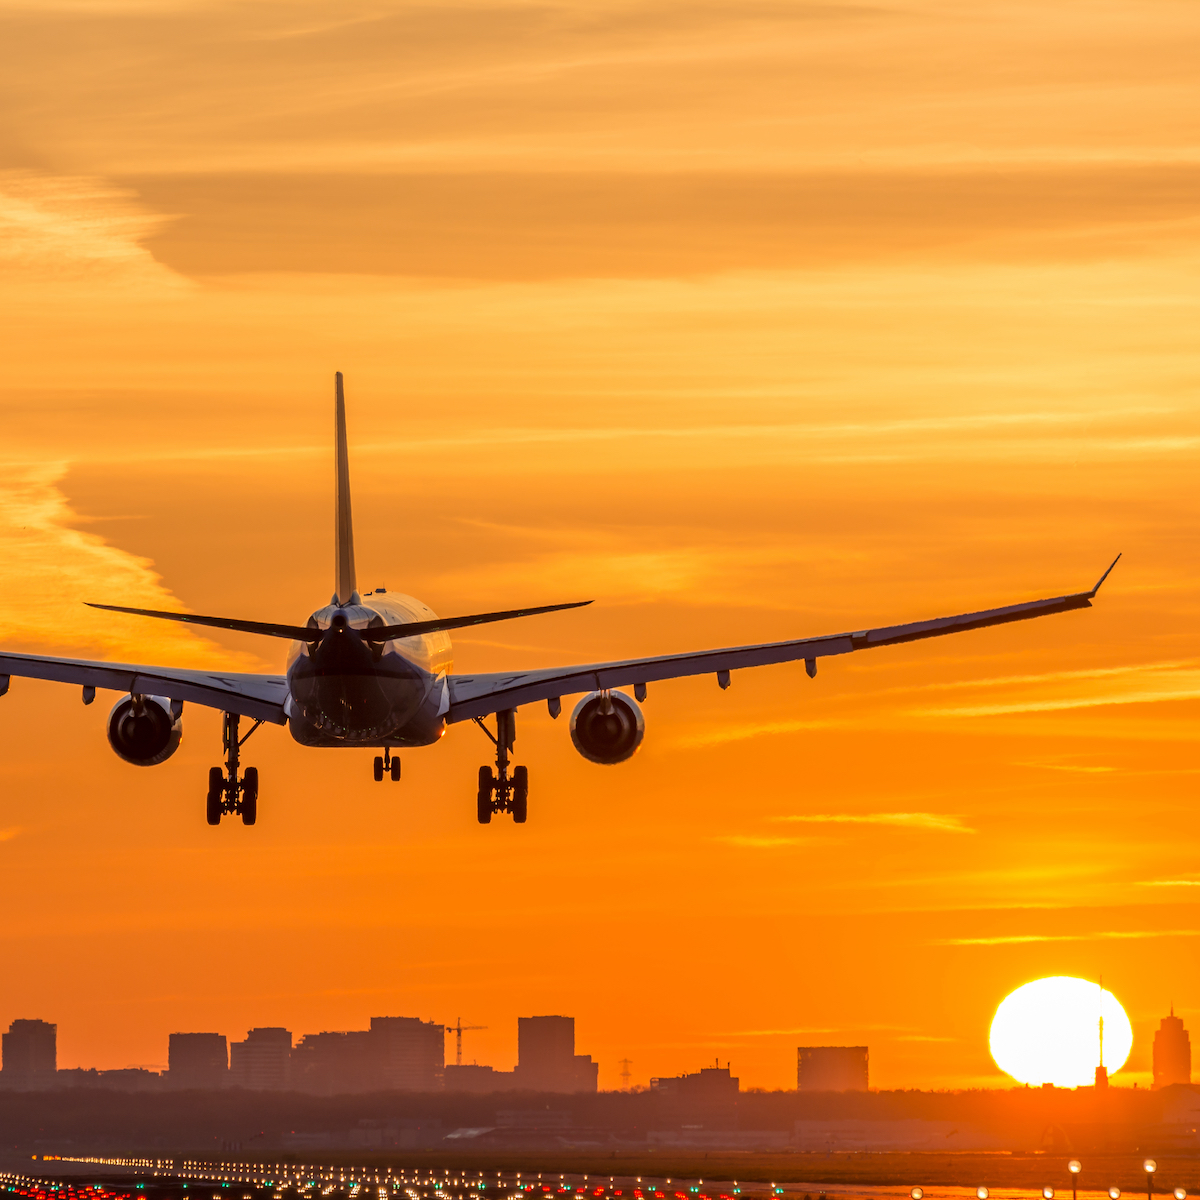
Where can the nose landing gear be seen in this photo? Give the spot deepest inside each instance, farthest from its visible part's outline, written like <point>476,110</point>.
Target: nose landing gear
<point>498,791</point>
<point>226,792</point>
<point>385,764</point>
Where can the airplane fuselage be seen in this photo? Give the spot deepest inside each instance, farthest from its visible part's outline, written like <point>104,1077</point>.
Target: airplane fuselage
<point>347,691</point>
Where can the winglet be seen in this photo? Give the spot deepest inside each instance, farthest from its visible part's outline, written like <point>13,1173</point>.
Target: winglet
<point>1105,575</point>
<point>343,526</point>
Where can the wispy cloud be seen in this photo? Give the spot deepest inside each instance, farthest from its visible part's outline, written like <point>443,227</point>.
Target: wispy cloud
<point>1184,883</point>
<point>945,822</point>
<point>1068,767</point>
<point>740,1033</point>
<point>7,835</point>
<point>1020,939</point>
<point>753,842</point>
<point>740,733</point>
<point>1149,683</point>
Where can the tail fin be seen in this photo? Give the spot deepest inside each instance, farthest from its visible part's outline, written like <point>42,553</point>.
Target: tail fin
<point>345,585</point>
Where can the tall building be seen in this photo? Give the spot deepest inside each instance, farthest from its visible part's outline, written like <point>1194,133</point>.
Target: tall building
<point>411,1053</point>
<point>197,1060</point>
<point>335,1062</point>
<point>546,1058</point>
<point>29,1054</point>
<point>1172,1052</point>
<point>262,1062</point>
<point>708,1098</point>
<point>831,1068</point>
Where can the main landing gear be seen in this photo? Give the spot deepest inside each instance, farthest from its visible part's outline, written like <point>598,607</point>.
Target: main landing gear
<point>226,792</point>
<point>498,791</point>
<point>387,765</point>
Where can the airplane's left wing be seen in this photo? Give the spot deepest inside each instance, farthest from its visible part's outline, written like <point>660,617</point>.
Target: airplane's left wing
<point>479,695</point>
<point>260,697</point>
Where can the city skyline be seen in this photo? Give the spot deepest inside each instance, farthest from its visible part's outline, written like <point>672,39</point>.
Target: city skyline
<point>543,1062</point>
<point>750,323</point>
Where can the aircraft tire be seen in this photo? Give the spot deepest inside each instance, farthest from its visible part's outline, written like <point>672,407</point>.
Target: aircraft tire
<point>520,800</point>
<point>216,793</point>
<point>250,796</point>
<point>379,768</point>
<point>487,784</point>
<point>396,769</point>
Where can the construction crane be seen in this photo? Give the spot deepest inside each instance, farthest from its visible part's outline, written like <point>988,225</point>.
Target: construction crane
<point>458,1028</point>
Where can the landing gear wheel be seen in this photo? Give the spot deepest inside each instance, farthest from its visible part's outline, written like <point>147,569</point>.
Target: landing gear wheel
<point>520,794</point>
<point>250,796</point>
<point>487,784</point>
<point>378,768</point>
<point>396,769</point>
<point>216,795</point>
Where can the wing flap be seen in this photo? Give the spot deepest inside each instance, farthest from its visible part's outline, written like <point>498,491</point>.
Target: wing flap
<point>260,697</point>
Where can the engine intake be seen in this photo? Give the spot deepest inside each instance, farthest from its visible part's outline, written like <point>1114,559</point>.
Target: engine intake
<point>607,727</point>
<point>143,730</point>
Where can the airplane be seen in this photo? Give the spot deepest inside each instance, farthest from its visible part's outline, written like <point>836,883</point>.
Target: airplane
<point>375,671</point>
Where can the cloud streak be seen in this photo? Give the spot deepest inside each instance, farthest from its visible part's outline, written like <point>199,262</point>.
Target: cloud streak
<point>1021,939</point>
<point>943,822</point>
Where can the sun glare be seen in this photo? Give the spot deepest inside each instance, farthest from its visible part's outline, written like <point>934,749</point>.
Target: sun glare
<point>1049,1031</point>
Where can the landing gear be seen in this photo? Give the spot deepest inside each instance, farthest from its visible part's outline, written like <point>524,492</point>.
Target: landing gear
<point>226,792</point>
<point>498,792</point>
<point>385,764</point>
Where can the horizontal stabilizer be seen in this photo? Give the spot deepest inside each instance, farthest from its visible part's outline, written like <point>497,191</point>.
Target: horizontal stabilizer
<point>310,633</point>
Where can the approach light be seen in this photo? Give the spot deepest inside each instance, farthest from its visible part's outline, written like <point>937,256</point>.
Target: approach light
<point>1048,1192</point>
<point>1181,1194</point>
<point>1074,1166</point>
<point>981,1193</point>
<point>917,1194</point>
<point>1149,1166</point>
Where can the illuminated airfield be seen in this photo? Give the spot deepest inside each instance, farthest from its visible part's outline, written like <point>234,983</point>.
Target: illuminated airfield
<point>165,1179</point>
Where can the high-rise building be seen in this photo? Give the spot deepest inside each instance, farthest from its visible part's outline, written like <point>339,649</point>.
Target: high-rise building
<point>335,1062</point>
<point>1172,1052</point>
<point>29,1054</point>
<point>411,1053</point>
<point>708,1098</point>
<point>831,1068</point>
<point>197,1060</point>
<point>546,1058</point>
<point>261,1063</point>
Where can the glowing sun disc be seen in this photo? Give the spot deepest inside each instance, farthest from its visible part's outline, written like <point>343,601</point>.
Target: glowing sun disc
<point>1048,1031</point>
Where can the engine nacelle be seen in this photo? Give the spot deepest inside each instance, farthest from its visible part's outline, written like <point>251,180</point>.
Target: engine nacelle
<point>143,730</point>
<point>607,727</point>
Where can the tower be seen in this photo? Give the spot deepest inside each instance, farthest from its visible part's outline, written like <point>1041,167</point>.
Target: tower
<point>1101,1069</point>
<point>1172,1052</point>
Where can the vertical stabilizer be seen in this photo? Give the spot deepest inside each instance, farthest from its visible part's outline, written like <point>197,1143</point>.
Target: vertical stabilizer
<point>344,582</point>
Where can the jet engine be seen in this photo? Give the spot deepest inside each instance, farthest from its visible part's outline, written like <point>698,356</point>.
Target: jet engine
<point>607,727</point>
<point>144,730</point>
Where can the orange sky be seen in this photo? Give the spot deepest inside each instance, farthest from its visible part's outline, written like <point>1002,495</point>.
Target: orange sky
<point>748,320</point>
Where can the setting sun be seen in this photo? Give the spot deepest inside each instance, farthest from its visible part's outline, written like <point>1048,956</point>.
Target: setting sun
<point>1049,1031</point>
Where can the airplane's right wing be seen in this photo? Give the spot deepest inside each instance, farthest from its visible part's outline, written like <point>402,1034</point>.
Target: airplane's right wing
<point>261,697</point>
<point>479,695</point>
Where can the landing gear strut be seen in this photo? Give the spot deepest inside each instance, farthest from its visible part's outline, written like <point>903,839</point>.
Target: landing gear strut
<point>387,765</point>
<point>498,791</point>
<point>226,792</point>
